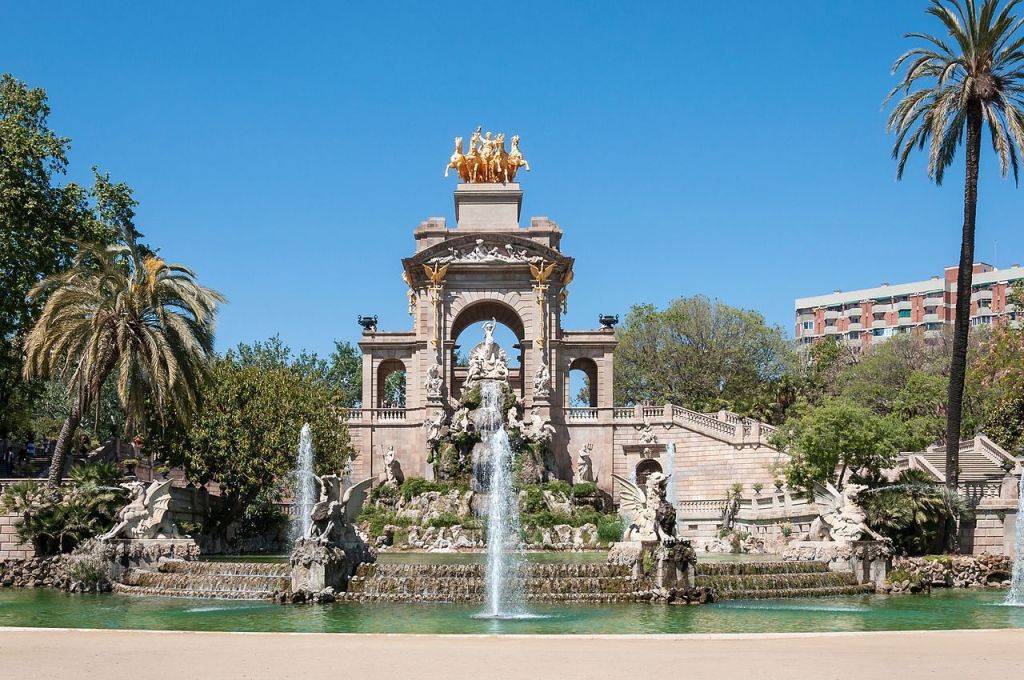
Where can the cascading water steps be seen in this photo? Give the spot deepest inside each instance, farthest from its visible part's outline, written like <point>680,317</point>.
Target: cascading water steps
<point>222,580</point>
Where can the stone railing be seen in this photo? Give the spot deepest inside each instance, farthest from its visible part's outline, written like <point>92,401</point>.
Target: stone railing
<point>723,425</point>
<point>700,508</point>
<point>704,421</point>
<point>975,491</point>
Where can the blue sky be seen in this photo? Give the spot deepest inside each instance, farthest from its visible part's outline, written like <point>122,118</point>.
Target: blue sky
<point>287,152</point>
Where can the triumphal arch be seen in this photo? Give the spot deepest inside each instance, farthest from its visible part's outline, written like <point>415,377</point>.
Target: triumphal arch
<point>489,266</point>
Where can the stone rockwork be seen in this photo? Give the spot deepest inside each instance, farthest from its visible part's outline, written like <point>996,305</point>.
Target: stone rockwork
<point>914,574</point>
<point>868,561</point>
<point>564,537</point>
<point>35,572</point>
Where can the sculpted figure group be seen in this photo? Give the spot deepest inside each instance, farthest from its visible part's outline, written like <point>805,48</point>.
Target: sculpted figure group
<point>487,160</point>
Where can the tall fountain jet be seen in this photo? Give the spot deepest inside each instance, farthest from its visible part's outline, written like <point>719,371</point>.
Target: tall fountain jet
<point>504,590</point>
<point>303,484</point>
<point>1016,595</point>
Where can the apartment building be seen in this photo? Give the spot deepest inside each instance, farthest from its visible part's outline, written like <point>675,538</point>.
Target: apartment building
<point>859,318</point>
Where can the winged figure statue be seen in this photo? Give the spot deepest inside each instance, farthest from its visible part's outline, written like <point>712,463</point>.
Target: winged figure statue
<point>652,518</point>
<point>543,272</point>
<point>147,514</point>
<point>334,516</point>
<point>841,518</point>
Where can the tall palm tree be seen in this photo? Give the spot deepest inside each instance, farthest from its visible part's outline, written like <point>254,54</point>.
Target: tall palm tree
<point>951,86</point>
<point>119,311</point>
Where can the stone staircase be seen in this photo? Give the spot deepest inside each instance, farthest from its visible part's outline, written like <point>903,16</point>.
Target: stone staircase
<point>762,580</point>
<point>465,583</point>
<point>220,580</point>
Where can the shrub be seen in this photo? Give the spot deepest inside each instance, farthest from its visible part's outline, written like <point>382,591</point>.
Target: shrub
<point>786,528</point>
<point>384,492</point>
<point>414,486</point>
<point>444,519</point>
<point>609,529</point>
<point>375,518</point>
<point>91,571</point>
<point>584,489</point>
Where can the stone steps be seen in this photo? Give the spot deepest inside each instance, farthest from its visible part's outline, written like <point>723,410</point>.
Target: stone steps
<point>833,591</point>
<point>529,569</point>
<point>755,568</point>
<point>224,580</point>
<point>774,582</point>
<point>191,592</point>
<point>449,589</point>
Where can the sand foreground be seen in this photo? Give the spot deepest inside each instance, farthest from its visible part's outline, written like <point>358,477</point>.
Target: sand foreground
<point>151,655</point>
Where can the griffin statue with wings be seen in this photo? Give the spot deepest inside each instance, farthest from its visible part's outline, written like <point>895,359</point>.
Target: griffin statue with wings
<point>334,516</point>
<point>652,517</point>
<point>147,514</point>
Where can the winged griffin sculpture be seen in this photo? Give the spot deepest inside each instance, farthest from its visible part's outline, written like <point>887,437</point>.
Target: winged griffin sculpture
<point>334,516</point>
<point>842,518</point>
<point>652,517</point>
<point>147,514</point>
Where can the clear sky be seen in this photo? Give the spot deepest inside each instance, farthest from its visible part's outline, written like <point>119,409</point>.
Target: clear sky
<point>286,151</point>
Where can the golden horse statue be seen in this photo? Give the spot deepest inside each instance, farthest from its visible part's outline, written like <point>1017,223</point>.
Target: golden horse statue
<point>486,160</point>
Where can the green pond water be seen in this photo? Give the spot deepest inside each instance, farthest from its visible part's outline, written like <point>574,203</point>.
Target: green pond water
<point>940,610</point>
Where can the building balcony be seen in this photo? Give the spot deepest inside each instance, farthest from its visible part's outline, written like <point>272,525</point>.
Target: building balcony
<point>852,311</point>
<point>904,321</point>
<point>934,301</point>
<point>905,304</point>
<point>981,295</point>
<point>879,323</point>
<point>831,330</point>
<point>832,313</point>
<point>855,327</point>
<point>930,318</point>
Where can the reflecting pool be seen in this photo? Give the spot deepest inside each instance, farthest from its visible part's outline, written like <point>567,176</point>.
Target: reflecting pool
<point>946,609</point>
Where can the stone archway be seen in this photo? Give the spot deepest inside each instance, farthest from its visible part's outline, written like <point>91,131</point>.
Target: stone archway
<point>645,469</point>
<point>485,309</point>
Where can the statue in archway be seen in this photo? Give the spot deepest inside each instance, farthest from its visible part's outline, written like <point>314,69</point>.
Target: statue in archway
<point>487,361</point>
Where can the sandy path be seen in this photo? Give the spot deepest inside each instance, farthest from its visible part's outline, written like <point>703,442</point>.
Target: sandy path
<point>151,655</point>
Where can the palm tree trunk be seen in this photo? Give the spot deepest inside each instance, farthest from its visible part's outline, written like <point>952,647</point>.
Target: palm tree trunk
<point>962,319</point>
<point>67,431</point>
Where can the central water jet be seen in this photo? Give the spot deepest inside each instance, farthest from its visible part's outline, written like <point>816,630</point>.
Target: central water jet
<point>504,583</point>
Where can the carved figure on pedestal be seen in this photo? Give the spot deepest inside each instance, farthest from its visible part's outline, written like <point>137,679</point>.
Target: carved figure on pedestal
<point>542,382</point>
<point>487,361</point>
<point>392,475</point>
<point>512,418</point>
<point>652,517</point>
<point>585,466</point>
<point>647,435</point>
<point>460,421</point>
<point>434,381</point>
<point>434,427</point>
<point>147,514</point>
<point>541,429</point>
<point>843,519</point>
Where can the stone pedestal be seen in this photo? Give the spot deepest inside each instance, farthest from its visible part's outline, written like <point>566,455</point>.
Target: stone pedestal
<point>669,567</point>
<point>488,207</point>
<point>868,561</point>
<point>871,561</point>
<point>144,553</point>
<point>317,566</point>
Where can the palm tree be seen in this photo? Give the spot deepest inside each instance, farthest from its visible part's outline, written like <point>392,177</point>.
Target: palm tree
<point>119,311</point>
<point>947,91</point>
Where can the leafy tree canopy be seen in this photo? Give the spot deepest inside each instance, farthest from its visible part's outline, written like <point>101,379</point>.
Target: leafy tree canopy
<point>698,353</point>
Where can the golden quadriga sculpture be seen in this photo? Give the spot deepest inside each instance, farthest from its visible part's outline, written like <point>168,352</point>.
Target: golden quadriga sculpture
<point>487,160</point>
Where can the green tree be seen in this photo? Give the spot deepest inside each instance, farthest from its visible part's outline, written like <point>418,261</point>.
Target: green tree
<point>951,88</point>
<point>827,442</point>
<point>117,311</point>
<point>246,431</point>
<point>39,225</point>
<point>698,353</point>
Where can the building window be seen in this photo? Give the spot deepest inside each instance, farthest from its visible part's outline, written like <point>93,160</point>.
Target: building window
<point>854,335</point>
<point>904,313</point>
<point>981,320</point>
<point>854,319</point>
<point>808,325</point>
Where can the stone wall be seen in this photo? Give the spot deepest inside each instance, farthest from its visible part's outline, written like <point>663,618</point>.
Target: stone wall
<point>10,547</point>
<point>943,571</point>
<point>993,530</point>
